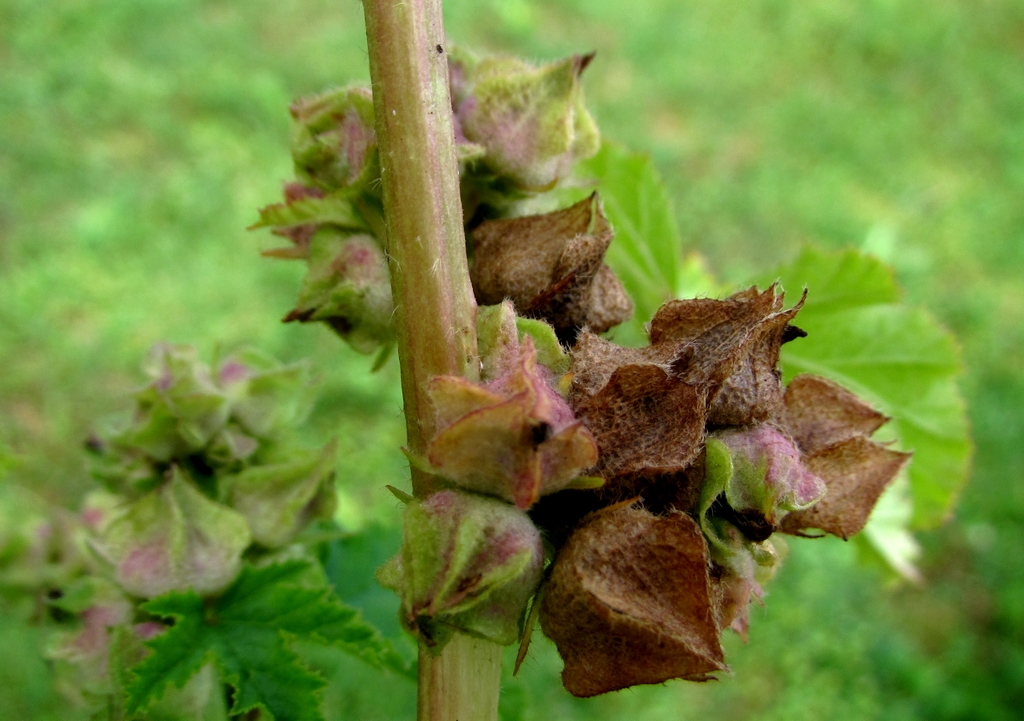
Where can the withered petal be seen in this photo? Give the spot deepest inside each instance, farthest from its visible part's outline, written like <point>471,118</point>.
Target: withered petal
<point>629,602</point>
<point>609,304</point>
<point>738,336</point>
<point>689,319</point>
<point>595,359</point>
<point>753,391</point>
<point>551,266</point>
<point>519,258</point>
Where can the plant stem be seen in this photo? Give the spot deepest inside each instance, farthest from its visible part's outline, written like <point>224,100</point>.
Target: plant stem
<point>435,309</point>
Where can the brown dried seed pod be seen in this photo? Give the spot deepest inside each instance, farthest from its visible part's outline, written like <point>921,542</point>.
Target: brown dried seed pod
<point>753,392</point>
<point>820,413</point>
<point>855,471</point>
<point>630,602</point>
<point>644,420</point>
<point>552,267</point>
<point>735,347</point>
<point>594,359</point>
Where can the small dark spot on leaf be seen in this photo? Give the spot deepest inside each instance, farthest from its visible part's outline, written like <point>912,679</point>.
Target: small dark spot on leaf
<point>440,49</point>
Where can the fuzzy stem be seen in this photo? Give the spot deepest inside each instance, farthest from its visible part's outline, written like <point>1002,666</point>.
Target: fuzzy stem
<point>435,310</point>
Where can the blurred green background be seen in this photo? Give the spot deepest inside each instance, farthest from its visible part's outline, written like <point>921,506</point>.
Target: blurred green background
<point>138,136</point>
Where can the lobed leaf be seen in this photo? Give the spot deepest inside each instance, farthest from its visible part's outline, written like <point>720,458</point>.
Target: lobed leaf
<point>247,633</point>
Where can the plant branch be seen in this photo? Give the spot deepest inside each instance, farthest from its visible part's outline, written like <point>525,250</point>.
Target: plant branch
<point>435,308</point>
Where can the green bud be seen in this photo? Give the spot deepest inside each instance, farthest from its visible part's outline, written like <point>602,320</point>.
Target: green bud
<point>279,499</point>
<point>175,538</point>
<point>499,332</point>
<point>333,141</point>
<point>348,287</point>
<point>468,563</point>
<point>530,121</point>
<point>181,410</point>
<point>515,438</point>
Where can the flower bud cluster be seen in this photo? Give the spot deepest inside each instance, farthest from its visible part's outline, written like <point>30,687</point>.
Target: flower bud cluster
<point>332,215</point>
<point>202,474</point>
<point>519,130</point>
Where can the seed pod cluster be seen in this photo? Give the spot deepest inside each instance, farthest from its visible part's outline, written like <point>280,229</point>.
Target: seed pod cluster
<point>705,455</point>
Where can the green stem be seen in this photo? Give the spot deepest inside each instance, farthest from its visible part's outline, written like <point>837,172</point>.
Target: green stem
<point>435,310</point>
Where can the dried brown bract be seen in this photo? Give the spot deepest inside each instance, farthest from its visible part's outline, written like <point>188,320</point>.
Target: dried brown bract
<point>552,267</point>
<point>735,350</point>
<point>630,602</point>
<point>820,413</point>
<point>831,427</point>
<point>644,420</point>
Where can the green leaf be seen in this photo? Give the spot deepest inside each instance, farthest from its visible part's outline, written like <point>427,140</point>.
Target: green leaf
<point>336,209</point>
<point>647,251</point>
<point>894,356</point>
<point>247,633</point>
<point>886,539</point>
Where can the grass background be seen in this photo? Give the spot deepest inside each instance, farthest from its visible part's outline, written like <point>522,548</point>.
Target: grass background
<point>138,136</point>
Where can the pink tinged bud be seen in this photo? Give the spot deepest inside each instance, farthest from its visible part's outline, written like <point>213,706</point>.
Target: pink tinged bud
<point>348,287</point>
<point>333,141</point>
<point>148,630</point>
<point>174,538</point>
<point>278,500</point>
<point>497,339</point>
<point>99,510</point>
<point>181,411</point>
<point>85,651</point>
<point>266,395</point>
<point>531,121</point>
<point>468,563</point>
<point>738,537</point>
<point>515,438</point>
<point>768,477</point>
